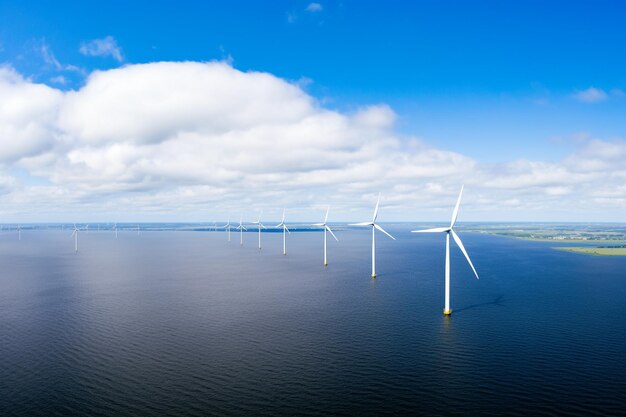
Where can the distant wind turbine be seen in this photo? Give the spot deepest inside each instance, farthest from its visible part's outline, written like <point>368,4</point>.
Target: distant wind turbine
<point>115,228</point>
<point>261,226</point>
<point>19,232</point>
<point>450,231</point>
<point>227,227</point>
<point>374,226</point>
<point>75,236</point>
<point>285,230</point>
<point>241,228</point>
<point>326,229</point>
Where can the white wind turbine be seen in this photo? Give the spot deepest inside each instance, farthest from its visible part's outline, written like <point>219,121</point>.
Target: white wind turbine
<point>241,228</point>
<point>326,229</point>
<point>19,232</point>
<point>115,228</point>
<point>374,226</point>
<point>227,227</point>
<point>285,231</point>
<point>261,226</point>
<point>75,236</point>
<point>450,231</point>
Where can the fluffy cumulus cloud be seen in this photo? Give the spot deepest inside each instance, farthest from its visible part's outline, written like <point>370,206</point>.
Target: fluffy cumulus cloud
<point>28,116</point>
<point>184,140</point>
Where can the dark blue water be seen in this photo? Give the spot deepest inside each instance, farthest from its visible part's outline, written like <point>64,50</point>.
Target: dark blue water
<point>184,323</point>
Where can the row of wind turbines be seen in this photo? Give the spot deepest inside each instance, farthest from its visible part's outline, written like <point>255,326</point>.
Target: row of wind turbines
<point>448,230</point>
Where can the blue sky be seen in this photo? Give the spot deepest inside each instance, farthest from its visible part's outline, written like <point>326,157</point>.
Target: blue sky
<point>494,81</point>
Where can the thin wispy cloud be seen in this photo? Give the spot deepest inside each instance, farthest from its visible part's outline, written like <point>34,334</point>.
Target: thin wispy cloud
<point>104,47</point>
<point>591,95</point>
<point>48,56</point>
<point>616,92</point>
<point>314,7</point>
<point>52,63</point>
<point>59,79</point>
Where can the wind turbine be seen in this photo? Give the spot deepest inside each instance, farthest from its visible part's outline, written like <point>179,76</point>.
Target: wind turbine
<point>285,230</point>
<point>227,227</point>
<point>75,236</point>
<point>374,226</point>
<point>450,231</point>
<point>260,225</point>
<point>326,229</point>
<point>115,228</point>
<point>19,232</point>
<point>241,228</point>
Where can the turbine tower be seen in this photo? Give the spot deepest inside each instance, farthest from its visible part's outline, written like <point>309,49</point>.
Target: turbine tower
<point>326,229</point>
<point>260,225</point>
<point>227,227</point>
<point>241,228</point>
<point>374,226</point>
<point>285,231</point>
<point>450,231</point>
<point>75,236</point>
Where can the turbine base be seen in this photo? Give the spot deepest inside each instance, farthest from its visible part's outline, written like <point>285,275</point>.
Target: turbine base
<point>373,276</point>
<point>325,265</point>
<point>447,312</point>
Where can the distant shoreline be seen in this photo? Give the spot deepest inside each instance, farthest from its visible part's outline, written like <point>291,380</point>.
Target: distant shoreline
<point>594,251</point>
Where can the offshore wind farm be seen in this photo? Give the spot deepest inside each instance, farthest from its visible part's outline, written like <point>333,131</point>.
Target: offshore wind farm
<point>217,321</point>
<point>312,208</point>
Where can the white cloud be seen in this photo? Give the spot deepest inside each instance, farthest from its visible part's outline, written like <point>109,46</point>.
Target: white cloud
<point>180,139</point>
<point>591,95</point>
<point>28,115</point>
<point>314,7</point>
<point>106,46</point>
<point>59,79</point>
<point>49,58</point>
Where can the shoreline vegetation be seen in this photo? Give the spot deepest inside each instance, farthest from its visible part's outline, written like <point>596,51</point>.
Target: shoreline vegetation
<point>598,241</point>
<point>594,250</point>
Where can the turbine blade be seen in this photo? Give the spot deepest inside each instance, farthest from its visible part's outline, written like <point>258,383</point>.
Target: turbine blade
<point>383,230</point>
<point>457,239</point>
<point>434,230</point>
<point>286,228</point>
<point>331,232</point>
<point>283,220</point>
<point>361,224</point>
<point>376,209</point>
<point>455,213</point>
<point>319,224</point>
<point>326,218</point>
